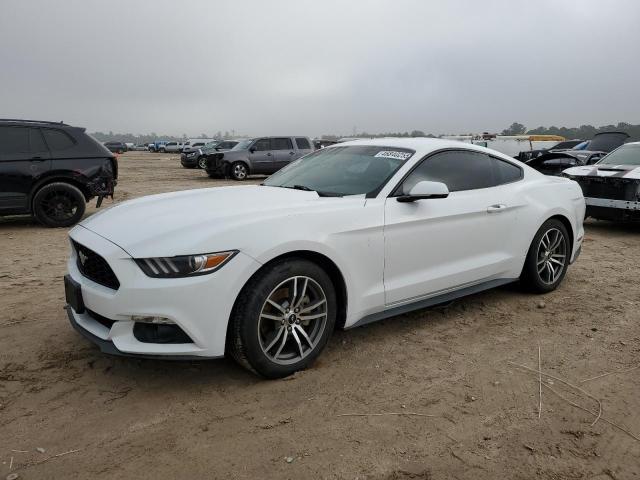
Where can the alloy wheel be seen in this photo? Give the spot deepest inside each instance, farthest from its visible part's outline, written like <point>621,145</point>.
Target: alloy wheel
<point>551,256</point>
<point>240,171</point>
<point>292,320</point>
<point>59,205</point>
<point>202,162</point>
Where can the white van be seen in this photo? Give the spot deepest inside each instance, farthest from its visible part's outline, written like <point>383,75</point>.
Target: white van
<point>195,143</point>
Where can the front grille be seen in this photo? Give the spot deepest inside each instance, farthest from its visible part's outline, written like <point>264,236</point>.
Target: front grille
<point>612,188</point>
<point>94,267</point>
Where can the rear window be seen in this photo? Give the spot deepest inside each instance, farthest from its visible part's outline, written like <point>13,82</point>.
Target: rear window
<point>57,139</point>
<point>303,143</point>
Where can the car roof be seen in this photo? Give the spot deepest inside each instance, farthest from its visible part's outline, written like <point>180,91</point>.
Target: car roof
<point>423,145</point>
<point>17,121</point>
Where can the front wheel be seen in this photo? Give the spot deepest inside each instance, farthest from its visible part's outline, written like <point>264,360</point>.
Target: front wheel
<point>202,162</point>
<point>58,204</point>
<point>239,171</point>
<point>548,258</point>
<point>283,318</point>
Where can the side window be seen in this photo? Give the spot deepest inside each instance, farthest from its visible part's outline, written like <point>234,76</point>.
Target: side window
<point>282,144</point>
<point>506,172</point>
<point>57,139</point>
<point>303,143</point>
<point>459,170</point>
<point>36,142</point>
<point>14,140</point>
<point>263,145</point>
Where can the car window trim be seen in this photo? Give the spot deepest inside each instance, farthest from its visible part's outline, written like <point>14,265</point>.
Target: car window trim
<point>393,193</point>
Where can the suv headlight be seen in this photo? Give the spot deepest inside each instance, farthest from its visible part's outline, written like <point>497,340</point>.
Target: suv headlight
<point>184,265</point>
<point>191,154</point>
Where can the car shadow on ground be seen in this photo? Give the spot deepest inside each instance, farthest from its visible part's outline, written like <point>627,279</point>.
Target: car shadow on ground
<point>607,226</point>
<point>225,372</point>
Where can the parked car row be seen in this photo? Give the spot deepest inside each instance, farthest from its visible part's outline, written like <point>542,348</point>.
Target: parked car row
<point>238,159</point>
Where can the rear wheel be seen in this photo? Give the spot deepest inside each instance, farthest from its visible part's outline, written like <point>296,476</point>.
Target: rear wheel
<point>548,258</point>
<point>239,171</point>
<point>283,318</point>
<point>58,204</point>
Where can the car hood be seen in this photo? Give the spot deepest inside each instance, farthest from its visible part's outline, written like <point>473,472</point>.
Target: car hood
<point>205,220</point>
<point>617,171</point>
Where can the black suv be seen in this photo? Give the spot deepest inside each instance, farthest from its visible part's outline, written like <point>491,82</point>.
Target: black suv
<point>50,170</point>
<point>116,147</point>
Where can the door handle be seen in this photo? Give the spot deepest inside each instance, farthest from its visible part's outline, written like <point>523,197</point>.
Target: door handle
<point>268,154</point>
<point>496,208</point>
<point>291,153</point>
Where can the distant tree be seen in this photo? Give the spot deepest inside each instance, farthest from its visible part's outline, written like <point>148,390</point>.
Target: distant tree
<point>515,129</point>
<point>417,133</point>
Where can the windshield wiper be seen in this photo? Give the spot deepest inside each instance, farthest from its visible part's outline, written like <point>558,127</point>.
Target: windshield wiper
<point>309,189</point>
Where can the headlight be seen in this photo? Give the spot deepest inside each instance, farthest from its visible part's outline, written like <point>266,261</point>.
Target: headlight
<point>184,265</point>
<point>192,154</point>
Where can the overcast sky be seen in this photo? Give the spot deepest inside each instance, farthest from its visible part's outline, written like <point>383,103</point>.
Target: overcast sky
<point>323,66</point>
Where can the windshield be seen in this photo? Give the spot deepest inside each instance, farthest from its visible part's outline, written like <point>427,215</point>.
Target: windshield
<point>242,145</point>
<point>625,155</point>
<point>209,147</point>
<point>338,171</point>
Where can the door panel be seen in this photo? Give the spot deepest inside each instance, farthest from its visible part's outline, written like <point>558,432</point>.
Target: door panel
<point>284,151</point>
<point>262,159</point>
<point>24,158</point>
<point>436,245</point>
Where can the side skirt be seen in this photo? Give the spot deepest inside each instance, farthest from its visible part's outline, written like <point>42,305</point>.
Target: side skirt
<point>431,301</point>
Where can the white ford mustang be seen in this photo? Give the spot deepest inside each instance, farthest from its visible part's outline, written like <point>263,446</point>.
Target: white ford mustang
<point>347,235</point>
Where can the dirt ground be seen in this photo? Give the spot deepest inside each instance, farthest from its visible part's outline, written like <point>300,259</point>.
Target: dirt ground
<point>68,411</point>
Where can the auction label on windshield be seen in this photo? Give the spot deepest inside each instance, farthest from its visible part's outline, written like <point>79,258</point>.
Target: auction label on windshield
<point>393,154</point>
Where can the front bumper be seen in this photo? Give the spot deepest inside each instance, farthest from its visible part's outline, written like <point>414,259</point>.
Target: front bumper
<point>200,306</point>
<point>189,162</point>
<point>614,210</point>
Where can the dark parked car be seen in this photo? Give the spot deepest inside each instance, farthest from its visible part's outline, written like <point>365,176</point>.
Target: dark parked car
<point>553,163</point>
<point>560,146</point>
<point>116,147</point>
<point>50,170</point>
<point>262,155</point>
<point>198,157</point>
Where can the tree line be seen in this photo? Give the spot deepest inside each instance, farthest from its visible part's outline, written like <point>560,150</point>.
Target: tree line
<point>583,132</point>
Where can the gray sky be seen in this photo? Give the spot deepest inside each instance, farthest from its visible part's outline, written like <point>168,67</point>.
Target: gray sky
<point>323,66</point>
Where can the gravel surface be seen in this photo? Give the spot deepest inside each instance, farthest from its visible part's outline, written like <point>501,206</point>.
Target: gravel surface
<point>68,411</point>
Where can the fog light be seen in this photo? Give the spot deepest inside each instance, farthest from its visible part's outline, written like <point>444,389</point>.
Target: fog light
<point>151,319</point>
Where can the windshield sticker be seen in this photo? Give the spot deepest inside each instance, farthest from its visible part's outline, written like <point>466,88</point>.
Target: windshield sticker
<point>393,154</point>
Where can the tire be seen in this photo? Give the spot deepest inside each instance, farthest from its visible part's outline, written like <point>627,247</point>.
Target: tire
<point>239,171</point>
<point>268,333</point>
<point>59,204</point>
<point>550,250</point>
<point>202,162</point>
<point>162,150</point>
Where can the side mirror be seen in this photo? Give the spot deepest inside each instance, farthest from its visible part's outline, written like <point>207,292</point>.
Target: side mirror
<point>252,149</point>
<point>425,190</point>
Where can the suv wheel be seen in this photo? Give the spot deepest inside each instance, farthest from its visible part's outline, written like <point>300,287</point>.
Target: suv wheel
<point>283,318</point>
<point>239,171</point>
<point>58,204</point>
<point>202,162</point>
<point>548,258</point>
